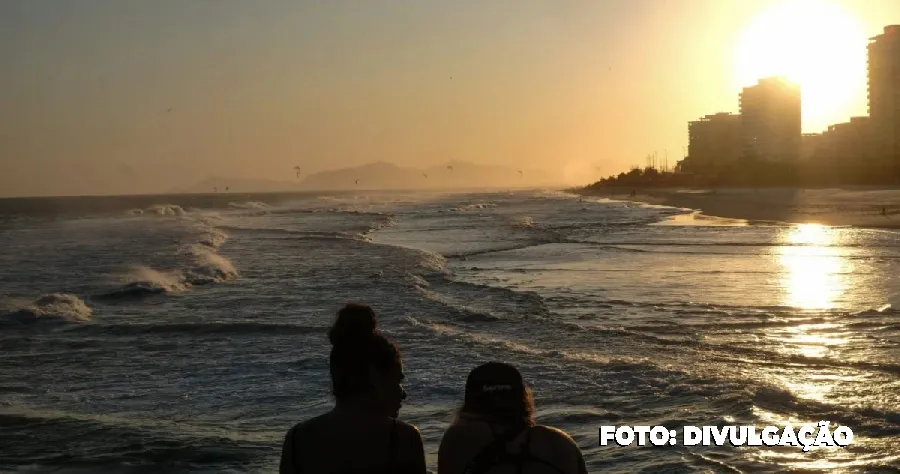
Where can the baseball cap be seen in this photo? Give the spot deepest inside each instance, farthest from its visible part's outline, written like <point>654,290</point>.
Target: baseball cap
<point>494,382</point>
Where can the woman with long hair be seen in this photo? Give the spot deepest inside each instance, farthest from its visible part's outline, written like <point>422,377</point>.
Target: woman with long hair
<point>495,431</point>
<point>361,434</point>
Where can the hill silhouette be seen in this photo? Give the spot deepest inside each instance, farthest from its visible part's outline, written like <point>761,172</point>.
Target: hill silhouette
<point>382,175</point>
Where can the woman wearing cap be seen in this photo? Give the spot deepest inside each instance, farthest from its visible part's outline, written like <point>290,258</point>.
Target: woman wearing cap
<point>362,433</point>
<point>495,431</point>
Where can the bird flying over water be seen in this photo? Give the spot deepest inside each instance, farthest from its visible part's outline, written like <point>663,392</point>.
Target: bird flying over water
<point>520,173</point>
<point>297,170</point>
<point>356,181</point>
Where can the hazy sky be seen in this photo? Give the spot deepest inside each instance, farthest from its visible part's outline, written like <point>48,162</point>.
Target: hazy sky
<point>259,86</point>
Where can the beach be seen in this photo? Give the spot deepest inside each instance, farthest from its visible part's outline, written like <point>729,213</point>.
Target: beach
<point>187,333</point>
<point>858,207</point>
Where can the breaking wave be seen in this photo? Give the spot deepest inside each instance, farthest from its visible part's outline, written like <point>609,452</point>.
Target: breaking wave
<point>248,205</point>
<point>146,281</point>
<point>208,266</point>
<point>199,263</point>
<point>523,222</point>
<point>472,207</point>
<point>50,307</point>
<point>165,210</point>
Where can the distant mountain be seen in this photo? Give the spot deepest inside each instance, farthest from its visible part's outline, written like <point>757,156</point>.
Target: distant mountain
<point>378,175</point>
<point>237,185</point>
<point>382,175</point>
<point>457,174</point>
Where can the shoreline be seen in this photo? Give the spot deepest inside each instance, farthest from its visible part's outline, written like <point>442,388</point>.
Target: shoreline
<point>874,208</point>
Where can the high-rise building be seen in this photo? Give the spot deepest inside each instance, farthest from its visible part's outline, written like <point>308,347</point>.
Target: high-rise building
<point>847,143</point>
<point>810,143</point>
<point>770,120</point>
<point>884,95</point>
<point>714,141</point>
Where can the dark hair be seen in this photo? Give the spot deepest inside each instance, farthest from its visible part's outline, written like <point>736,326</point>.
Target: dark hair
<point>496,393</point>
<point>357,345</point>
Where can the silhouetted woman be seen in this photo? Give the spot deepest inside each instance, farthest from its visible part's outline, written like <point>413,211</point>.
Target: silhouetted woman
<point>495,431</point>
<point>362,434</point>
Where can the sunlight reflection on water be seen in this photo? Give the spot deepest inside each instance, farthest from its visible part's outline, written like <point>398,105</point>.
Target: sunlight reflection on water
<point>815,277</point>
<point>815,269</point>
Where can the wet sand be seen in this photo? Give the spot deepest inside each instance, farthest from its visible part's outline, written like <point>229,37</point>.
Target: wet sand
<point>858,207</point>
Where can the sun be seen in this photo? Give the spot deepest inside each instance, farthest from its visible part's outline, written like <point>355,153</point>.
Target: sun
<point>815,43</point>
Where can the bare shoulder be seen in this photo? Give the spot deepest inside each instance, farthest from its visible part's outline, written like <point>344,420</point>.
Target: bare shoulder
<point>466,433</point>
<point>555,436</point>
<point>559,446</point>
<point>311,424</point>
<point>407,431</point>
<point>455,429</point>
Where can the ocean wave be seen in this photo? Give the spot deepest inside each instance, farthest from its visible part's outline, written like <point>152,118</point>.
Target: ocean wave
<point>144,281</point>
<point>208,266</point>
<point>522,222</point>
<point>686,243</point>
<point>864,420</point>
<point>501,248</point>
<point>165,210</point>
<point>299,234</point>
<point>43,439</point>
<point>677,380</point>
<point>431,262</point>
<point>383,221</point>
<point>239,328</point>
<point>684,337</point>
<point>203,266</point>
<point>636,368</point>
<point>53,307</point>
<point>248,205</point>
<point>212,238</point>
<point>417,280</point>
<point>472,207</point>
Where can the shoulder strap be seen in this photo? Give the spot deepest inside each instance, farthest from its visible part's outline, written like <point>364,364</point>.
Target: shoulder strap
<point>491,453</point>
<point>495,453</point>
<point>527,456</point>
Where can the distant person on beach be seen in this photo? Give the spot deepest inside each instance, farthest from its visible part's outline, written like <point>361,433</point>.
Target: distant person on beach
<point>495,431</point>
<point>361,434</point>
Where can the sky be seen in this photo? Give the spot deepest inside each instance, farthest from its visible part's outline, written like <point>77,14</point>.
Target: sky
<point>578,88</point>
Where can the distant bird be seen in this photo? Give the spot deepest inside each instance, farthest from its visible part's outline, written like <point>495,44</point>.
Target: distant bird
<point>169,110</point>
<point>520,173</point>
<point>450,168</point>
<point>356,181</point>
<point>425,175</point>
<point>226,188</point>
<point>297,170</point>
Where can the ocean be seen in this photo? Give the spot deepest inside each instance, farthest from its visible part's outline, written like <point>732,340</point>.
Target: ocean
<point>187,333</point>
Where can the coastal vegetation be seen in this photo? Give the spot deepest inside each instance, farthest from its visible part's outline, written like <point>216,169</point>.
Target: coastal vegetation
<point>750,173</point>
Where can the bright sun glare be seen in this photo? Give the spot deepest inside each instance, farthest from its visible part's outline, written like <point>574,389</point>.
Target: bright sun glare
<point>815,43</point>
<point>814,270</point>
